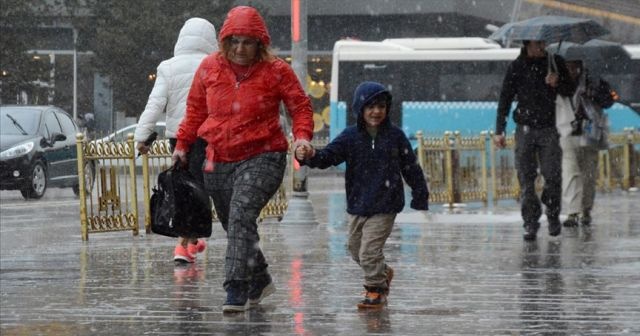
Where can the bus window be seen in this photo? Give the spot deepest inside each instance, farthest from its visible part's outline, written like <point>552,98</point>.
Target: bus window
<point>453,86</point>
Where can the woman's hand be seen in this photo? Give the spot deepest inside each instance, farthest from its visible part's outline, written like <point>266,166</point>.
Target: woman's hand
<point>304,152</point>
<point>179,156</point>
<point>142,148</point>
<point>303,149</point>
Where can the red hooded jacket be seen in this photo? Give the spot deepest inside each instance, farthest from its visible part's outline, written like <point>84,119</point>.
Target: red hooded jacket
<point>240,119</point>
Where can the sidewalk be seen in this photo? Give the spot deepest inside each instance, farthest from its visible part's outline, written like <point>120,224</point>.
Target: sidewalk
<point>462,272</point>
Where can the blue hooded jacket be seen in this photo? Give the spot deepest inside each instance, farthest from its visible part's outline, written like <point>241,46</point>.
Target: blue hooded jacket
<point>376,165</point>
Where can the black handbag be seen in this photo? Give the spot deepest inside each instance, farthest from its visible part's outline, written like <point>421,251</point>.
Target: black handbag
<point>180,206</point>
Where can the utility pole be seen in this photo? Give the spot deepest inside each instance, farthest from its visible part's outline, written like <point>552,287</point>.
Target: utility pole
<point>300,209</point>
<point>299,65</point>
<point>75,74</point>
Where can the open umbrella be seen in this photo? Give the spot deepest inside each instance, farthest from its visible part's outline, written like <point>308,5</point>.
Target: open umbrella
<point>598,55</point>
<point>593,51</point>
<point>550,29</point>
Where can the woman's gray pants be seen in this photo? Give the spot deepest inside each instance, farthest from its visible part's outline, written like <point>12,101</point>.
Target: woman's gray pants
<point>239,191</point>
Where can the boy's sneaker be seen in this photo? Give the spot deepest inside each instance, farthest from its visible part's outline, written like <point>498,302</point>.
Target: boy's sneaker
<point>554,226</point>
<point>586,219</point>
<point>389,278</point>
<point>373,299</point>
<point>260,287</point>
<point>197,247</point>
<point>182,255</point>
<point>571,221</point>
<point>237,300</point>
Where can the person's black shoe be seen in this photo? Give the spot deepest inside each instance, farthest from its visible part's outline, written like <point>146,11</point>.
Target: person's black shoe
<point>586,219</point>
<point>237,299</point>
<point>554,227</point>
<point>571,221</point>
<point>260,287</point>
<point>530,232</point>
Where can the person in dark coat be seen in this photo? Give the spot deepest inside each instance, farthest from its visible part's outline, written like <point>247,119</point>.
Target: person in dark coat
<point>378,156</point>
<point>534,79</point>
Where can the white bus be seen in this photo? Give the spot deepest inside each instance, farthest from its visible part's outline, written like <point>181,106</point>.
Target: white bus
<point>441,84</point>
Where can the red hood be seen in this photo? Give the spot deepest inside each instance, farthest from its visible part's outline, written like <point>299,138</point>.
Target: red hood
<point>245,21</point>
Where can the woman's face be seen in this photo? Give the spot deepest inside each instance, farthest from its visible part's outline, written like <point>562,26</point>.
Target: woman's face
<point>243,49</point>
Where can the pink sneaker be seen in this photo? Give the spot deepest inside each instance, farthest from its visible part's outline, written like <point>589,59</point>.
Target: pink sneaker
<point>197,247</point>
<point>181,254</point>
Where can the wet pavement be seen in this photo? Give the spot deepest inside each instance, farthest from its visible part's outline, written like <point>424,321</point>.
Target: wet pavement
<point>464,271</point>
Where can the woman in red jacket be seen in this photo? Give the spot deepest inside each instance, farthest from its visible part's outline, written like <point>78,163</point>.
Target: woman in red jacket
<point>234,105</point>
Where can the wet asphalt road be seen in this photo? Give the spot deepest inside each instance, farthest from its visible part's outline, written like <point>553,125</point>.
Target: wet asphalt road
<point>461,272</point>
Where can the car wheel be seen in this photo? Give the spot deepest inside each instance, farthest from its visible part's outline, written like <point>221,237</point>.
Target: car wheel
<point>88,180</point>
<point>37,184</point>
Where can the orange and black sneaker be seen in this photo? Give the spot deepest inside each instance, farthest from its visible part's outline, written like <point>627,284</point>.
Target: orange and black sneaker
<point>374,298</point>
<point>389,278</point>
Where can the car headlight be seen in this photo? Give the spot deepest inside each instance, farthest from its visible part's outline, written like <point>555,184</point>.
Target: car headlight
<point>16,151</point>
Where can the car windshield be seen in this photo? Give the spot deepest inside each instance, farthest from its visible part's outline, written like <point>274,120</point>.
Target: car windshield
<point>18,121</point>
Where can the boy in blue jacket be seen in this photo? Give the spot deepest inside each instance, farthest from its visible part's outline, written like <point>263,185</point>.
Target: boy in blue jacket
<point>378,156</point>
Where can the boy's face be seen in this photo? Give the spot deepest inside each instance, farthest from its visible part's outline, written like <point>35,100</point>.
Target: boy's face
<point>374,114</point>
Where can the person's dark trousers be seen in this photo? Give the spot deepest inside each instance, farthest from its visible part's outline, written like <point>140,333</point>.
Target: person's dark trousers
<point>195,157</point>
<point>543,146</point>
<point>239,191</point>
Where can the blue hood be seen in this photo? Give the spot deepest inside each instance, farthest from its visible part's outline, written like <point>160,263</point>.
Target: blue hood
<point>364,94</point>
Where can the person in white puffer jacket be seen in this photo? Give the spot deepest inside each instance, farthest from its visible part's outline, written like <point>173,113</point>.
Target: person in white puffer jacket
<point>168,98</point>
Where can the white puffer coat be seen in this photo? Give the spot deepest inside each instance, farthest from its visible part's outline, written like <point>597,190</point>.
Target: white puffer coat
<point>197,39</point>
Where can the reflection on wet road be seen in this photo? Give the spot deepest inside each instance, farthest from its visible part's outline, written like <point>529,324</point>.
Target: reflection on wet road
<point>460,272</point>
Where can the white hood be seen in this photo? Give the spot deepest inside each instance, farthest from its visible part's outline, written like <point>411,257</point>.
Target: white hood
<point>197,35</point>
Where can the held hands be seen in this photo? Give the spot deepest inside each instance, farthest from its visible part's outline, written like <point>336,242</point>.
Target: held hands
<point>303,150</point>
<point>552,79</point>
<point>500,141</point>
<point>179,156</point>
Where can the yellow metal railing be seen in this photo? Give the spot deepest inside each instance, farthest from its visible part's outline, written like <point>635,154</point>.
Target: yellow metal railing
<point>108,201</point>
<point>457,170</point>
<point>109,194</point>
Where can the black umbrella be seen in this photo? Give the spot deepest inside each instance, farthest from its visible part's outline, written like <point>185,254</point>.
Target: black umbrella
<point>550,29</point>
<point>599,51</point>
<point>597,55</point>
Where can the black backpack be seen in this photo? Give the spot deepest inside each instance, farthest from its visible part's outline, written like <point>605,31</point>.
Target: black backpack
<point>180,206</point>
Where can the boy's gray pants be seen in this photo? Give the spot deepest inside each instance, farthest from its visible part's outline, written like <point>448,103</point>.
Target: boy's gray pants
<point>579,169</point>
<point>367,236</point>
<point>239,191</point>
<point>543,146</point>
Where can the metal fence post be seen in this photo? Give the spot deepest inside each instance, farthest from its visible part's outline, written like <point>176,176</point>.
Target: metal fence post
<point>81,186</point>
<point>134,184</point>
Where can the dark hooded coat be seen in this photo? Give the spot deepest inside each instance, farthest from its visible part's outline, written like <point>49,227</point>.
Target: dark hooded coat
<point>376,165</point>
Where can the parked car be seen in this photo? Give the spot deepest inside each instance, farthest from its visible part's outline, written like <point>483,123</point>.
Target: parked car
<point>121,136</point>
<point>38,150</point>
